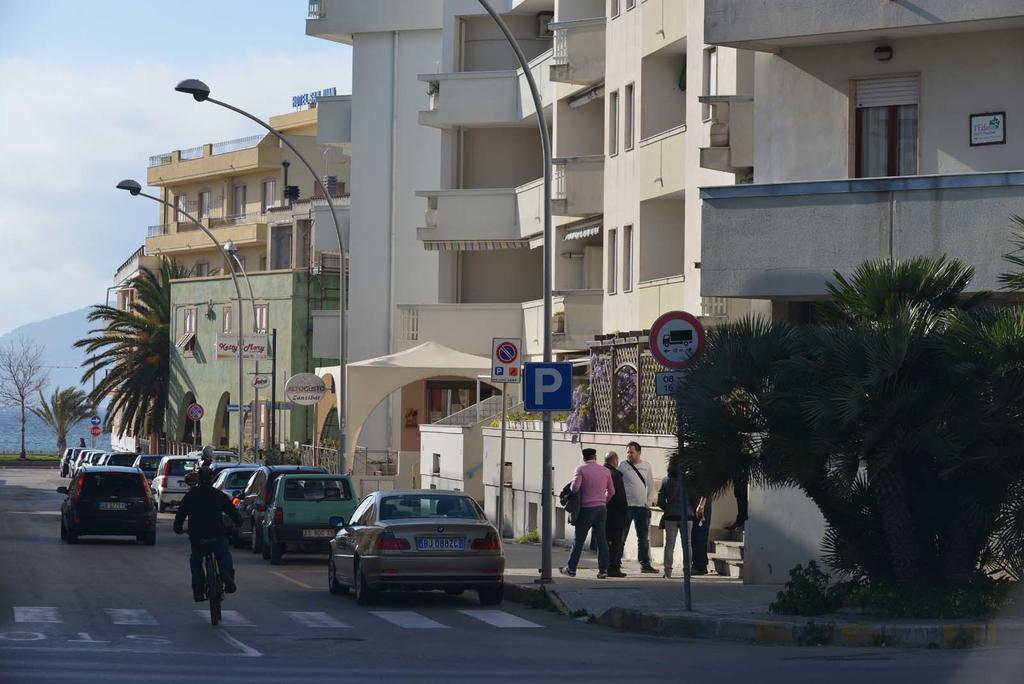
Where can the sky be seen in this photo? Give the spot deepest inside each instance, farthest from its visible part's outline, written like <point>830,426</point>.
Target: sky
<point>87,95</point>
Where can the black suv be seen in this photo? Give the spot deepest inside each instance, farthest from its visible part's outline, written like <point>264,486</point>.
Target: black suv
<point>252,504</point>
<point>108,500</point>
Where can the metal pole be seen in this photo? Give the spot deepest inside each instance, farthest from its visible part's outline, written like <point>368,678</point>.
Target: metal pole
<point>255,323</point>
<point>545,139</point>
<point>238,291</point>
<point>342,288</point>
<point>256,414</point>
<point>500,517</point>
<point>273,390</point>
<point>685,533</point>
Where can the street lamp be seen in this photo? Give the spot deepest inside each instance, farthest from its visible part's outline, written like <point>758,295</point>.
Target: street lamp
<point>200,92</point>
<point>232,250</point>
<point>133,187</point>
<point>545,141</point>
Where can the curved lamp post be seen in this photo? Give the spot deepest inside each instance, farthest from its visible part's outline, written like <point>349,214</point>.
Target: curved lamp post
<point>135,189</point>
<point>545,141</point>
<point>200,92</point>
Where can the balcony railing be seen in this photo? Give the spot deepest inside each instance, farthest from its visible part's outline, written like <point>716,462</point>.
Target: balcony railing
<point>191,153</point>
<point>235,145</point>
<point>315,10</point>
<point>159,229</point>
<point>160,159</point>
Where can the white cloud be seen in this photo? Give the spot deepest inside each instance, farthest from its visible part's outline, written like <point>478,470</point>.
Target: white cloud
<point>71,132</point>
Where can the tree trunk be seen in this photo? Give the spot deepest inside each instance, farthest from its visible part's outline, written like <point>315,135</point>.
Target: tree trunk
<point>889,488</point>
<point>23,454</point>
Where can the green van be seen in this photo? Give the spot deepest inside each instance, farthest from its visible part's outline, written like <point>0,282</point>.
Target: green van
<point>304,512</point>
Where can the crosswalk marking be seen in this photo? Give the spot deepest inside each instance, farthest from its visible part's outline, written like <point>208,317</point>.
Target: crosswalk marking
<point>228,618</point>
<point>499,618</point>
<point>130,616</point>
<point>36,614</point>
<point>315,619</point>
<point>407,619</point>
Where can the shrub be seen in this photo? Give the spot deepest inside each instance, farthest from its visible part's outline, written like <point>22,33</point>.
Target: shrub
<point>806,593</point>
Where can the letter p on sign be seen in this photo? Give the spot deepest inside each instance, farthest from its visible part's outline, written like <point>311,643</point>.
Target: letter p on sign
<point>547,386</point>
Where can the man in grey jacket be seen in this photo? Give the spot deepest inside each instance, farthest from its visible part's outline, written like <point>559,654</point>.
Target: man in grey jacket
<point>641,492</point>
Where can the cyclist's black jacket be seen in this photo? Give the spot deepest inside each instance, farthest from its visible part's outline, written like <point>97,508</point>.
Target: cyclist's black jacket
<point>203,506</point>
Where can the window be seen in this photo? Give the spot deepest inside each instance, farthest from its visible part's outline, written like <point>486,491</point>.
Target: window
<point>613,123</point>
<point>627,132</point>
<point>238,201</point>
<point>179,206</point>
<point>627,259</point>
<point>187,341</point>
<point>225,318</point>
<point>710,79</point>
<point>281,247</point>
<point>316,489</point>
<point>436,468</point>
<point>204,204</point>
<point>886,127</point>
<point>202,269</point>
<point>411,506</point>
<point>615,8</point>
<point>630,4</point>
<point>190,320</point>
<point>269,197</point>
<point>612,254</point>
<point>262,318</point>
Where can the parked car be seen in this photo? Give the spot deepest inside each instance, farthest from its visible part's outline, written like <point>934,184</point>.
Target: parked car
<point>232,480</point>
<point>67,459</point>
<point>169,483</point>
<point>147,463</point>
<point>89,457</point>
<point>304,513</point>
<point>77,463</point>
<point>252,504</point>
<point>219,456</point>
<point>108,500</point>
<point>119,458</point>
<point>414,540</point>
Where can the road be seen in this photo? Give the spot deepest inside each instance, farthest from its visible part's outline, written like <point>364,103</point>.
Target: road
<point>114,611</point>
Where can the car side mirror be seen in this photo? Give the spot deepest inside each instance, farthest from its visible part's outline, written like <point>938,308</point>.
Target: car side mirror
<point>62,490</point>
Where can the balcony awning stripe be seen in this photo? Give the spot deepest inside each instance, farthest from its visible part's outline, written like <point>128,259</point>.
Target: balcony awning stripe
<point>473,245</point>
<point>580,233</point>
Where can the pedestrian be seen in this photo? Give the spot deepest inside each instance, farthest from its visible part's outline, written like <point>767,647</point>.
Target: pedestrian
<point>595,487</point>
<point>638,480</point>
<point>618,517</point>
<point>670,501</point>
<point>699,536</point>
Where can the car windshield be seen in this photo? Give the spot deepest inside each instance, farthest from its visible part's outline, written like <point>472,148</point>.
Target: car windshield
<point>316,489</point>
<point>104,485</point>
<point>181,466</point>
<point>121,459</point>
<point>428,506</point>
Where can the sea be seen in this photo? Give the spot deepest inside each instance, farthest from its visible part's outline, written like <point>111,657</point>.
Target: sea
<point>38,435</point>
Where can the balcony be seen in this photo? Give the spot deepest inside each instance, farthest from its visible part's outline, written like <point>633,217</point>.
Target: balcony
<point>664,23</point>
<point>771,26</point>
<point>731,134</point>
<point>579,51</point>
<point>783,240</point>
<point>660,295</point>
<point>488,214</point>
<point>338,20</point>
<point>334,121</point>
<point>466,327</point>
<point>485,98</point>
<point>227,158</point>
<point>578,186</point>
<point>575,320</point>
<point>250,229</point>
<point>661,164</point>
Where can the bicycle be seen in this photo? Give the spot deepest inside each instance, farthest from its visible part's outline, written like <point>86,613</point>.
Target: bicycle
<point>214,584</point>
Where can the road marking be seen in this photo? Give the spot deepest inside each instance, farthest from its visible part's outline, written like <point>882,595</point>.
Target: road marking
<point>499,618</point>
<point>247,651</point>
<point>291,579</point>
<point>407,619</point>
<point>315,619</point>
<point>228,618</point>
<point>36,614</point>
<point>130,616</point>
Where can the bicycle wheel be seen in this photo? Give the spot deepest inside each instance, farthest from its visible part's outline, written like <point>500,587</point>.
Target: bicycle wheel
<point>213,588</point>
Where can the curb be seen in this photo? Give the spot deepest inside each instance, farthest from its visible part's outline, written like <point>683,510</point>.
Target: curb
<point>529,595</point>
<point>814,633</point>
<point>29,465</point>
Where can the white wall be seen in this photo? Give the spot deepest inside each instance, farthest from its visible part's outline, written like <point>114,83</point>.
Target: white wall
<point>461,459</point>
<point>664,104</point>
<point>660,252</point>
<point>500,157</point>
<point>504,275</point>
<point>580,130</point>
<point>802,109</point>
<point>485,48</point>
<point>785,528</point>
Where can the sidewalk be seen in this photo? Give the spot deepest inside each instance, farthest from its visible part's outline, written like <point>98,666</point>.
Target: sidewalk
<point>726,609</point>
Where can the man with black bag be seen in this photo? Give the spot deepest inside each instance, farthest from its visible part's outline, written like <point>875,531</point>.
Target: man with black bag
<point>618,517</point>
<point>593,487</point>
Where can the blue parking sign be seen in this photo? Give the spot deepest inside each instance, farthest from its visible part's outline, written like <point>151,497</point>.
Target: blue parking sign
<point>547,386</point>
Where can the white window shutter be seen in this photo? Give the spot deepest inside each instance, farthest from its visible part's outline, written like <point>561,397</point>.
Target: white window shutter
<point>886,92</point>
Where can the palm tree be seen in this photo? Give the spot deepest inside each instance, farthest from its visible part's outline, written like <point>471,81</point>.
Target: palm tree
<point>129,354</point>
<point>65,409</point>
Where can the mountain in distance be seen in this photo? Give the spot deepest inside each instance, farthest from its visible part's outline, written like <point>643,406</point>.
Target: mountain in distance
<point>57,335</point>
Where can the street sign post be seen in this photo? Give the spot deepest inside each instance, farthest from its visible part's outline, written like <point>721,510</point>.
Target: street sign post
<point>504,370</point>
<point>95,431</point>
<point>676,340</point>
<point>233,408</point>
<point>547,387</point>
<point>195,413</point>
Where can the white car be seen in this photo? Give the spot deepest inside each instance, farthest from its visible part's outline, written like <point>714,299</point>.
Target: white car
<point>219,456</point>
<point>169,485</point>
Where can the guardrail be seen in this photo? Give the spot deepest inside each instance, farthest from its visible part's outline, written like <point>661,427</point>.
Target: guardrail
<point>235,145</point>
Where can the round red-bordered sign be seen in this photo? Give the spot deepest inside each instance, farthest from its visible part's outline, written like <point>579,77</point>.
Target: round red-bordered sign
<point>676,339</point>
<point>195,412</point>
<point>95,431</point>
<point>507,352</point>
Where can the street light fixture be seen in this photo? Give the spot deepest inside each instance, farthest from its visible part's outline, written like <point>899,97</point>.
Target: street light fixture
<point>200,92</point>
<point>133,187</point>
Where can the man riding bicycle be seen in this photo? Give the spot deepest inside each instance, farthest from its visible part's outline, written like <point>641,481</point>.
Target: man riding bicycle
<point>203,506</point>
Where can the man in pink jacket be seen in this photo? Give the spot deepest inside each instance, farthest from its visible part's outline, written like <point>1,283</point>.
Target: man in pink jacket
<point>594,484</point>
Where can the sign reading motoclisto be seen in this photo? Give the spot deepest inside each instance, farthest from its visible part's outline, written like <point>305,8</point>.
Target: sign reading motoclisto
<point>253,347</point>
<point>304,389</point>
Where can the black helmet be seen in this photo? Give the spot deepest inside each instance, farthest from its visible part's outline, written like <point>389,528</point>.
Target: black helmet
<point>205,475</point>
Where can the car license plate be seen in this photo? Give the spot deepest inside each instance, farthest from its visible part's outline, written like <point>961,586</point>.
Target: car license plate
<point>441,543</point>
<point>317,534</point>
<point>113,505</point>
<point>182,484</point>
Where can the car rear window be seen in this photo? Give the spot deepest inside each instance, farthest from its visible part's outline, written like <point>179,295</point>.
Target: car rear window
<point>121,459</point>
<point>428,506</point>
<point>319,489</point>
<point>149,462</point>
<point>102,485</point>
<point>181,466</point>
<point>236,479</point>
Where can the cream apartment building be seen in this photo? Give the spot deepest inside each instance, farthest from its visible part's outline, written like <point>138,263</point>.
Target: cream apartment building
<point>880,129</point>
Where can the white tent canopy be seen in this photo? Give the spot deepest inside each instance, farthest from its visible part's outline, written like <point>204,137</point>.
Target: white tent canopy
<point>371,381</point>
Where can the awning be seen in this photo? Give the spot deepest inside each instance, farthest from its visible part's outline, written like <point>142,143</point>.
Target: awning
<point>584,229</point>
<point>185,340</point>
<point>473,245</point>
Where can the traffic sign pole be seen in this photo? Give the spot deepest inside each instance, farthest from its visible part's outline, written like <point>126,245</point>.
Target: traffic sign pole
<point>500,517</point>
<point>504,371</point>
